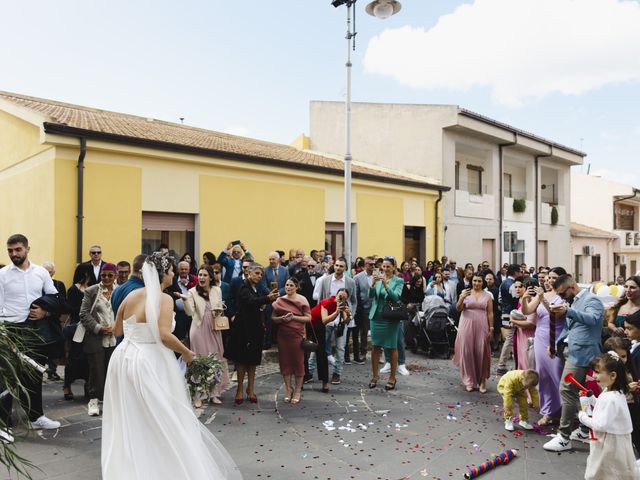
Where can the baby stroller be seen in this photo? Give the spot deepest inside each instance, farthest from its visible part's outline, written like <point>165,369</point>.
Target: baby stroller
<point>436,331</point>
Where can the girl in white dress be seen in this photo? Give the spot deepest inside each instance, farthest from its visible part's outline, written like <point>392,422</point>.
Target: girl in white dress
<point>149,429</point>
<point>611,455</point>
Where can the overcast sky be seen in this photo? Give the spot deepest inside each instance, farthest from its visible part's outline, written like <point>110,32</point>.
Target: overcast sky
<point>568,70</point>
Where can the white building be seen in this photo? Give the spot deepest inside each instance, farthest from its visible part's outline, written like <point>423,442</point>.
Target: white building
<point>510,198</point>
<point>611,208</point>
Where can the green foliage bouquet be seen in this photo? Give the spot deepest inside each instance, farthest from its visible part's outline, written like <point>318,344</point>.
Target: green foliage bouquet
<point>203,374</point>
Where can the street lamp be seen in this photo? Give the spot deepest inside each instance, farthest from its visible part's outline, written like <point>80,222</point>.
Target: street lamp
<point>380,9</point>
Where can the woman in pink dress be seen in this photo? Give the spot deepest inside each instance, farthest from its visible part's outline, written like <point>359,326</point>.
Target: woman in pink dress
<point>203,303</point>
<point>473,348</point>
<point>525,326</point>
<point>291,312</point>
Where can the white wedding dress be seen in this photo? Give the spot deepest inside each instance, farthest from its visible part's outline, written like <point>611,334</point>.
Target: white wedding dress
<point>149,430</point>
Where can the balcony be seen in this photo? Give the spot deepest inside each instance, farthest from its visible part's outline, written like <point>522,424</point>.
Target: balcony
<point>469,202</point>
<point>546,215</point>
<point>528,216</point>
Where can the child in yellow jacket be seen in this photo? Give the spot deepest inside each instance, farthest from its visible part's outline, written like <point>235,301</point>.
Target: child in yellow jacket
<point>519,384</point>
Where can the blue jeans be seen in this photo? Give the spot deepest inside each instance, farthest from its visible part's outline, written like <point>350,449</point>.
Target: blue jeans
<point>401,353</point>
<point>341,341</point>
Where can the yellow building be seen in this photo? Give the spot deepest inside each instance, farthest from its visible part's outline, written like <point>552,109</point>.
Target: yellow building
<point>73,176</point>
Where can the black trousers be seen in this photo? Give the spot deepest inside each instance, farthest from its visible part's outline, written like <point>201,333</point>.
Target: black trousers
<point>98,364</point>
<point>360,333</point>
<point>322,362</point>
<point>634,410</point>
<point>31,400</point>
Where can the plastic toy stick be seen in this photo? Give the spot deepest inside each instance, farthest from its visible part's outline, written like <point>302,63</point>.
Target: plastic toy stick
<point>501,459</point>
<point>584,392</point>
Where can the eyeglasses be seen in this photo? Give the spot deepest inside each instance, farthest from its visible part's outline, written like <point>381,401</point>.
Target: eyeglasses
<point>246,266</point>
<point>96,253</point>
<point>107,275</point>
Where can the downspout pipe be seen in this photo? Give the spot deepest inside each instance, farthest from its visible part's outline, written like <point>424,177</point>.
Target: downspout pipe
<point>501,147</point>
<point>437,228</point>
<point>537,201</point>
<point>80,191</point>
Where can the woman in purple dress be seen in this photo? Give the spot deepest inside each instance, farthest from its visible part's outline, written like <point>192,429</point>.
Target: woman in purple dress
<point>548,366</point>
<point>473,348</point>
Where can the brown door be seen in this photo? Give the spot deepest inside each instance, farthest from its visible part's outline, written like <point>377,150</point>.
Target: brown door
<point>489,252</point>
<point>414,244</point>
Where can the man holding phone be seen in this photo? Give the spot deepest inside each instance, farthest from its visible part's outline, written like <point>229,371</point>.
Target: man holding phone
<point>508,302</point>
<point>231,260</point>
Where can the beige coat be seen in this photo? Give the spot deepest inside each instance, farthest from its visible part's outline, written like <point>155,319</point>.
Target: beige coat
<point>194,304</point>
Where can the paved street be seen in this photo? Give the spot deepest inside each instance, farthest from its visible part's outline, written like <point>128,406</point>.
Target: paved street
<point>429,428</point>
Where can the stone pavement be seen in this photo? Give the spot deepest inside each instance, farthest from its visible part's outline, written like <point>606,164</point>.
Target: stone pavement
<point>429,428</point>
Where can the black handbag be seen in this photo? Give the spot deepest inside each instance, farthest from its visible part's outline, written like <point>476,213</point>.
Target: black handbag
<point>307,345</point>
<point>394,312</point>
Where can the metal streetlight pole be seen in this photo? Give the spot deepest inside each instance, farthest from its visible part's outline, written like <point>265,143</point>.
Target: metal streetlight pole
<point>381,9</point>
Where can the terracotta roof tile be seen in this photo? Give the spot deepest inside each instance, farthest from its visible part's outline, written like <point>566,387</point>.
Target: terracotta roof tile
<point>131,126</point>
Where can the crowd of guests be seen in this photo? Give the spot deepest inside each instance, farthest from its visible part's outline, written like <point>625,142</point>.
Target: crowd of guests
<point>320,312</point>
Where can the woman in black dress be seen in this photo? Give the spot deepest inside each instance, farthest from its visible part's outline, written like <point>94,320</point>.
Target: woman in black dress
<point>247,331</point>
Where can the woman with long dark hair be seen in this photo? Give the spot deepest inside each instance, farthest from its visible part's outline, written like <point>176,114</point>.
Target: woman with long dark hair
<point>193,265</point>
<point>291,313</point>
<point>548,328</point>
<point>384,333</point>
<point>628,304</point>
<point>203,303</point>
<point>472,347</point>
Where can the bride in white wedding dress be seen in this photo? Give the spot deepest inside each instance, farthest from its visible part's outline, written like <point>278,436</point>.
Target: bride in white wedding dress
<point>149,430</point>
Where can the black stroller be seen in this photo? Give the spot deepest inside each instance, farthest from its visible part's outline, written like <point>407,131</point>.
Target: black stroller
<point>433,331</point>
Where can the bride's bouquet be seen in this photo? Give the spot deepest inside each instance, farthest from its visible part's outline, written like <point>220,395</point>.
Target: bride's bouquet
<point>203,374</point>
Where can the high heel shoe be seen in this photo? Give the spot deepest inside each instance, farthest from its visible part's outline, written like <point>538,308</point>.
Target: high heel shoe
<point>68,394</point>
<point>252,398</point>
<point>238,401</point>
<point>295,399</point>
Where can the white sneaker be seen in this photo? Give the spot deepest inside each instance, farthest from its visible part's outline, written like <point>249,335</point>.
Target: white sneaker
<point>386,368</point>
<point>45,423</point>
<point>526,425</point>
<point>6,435</point>
<point>558,444</point>
<point>331,359</point>
<point>508,425</point>
<point>93,408</point>
<point>402,370</point>
<point>579,435</point>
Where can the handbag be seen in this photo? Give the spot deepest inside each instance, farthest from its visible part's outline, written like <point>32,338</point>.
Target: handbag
<point>307,345</point>
<point>394,312</point>
<point>221,322</point>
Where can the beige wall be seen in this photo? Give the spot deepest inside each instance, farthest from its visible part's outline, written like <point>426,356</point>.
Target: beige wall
<point>603,247</point>
<point>592,200</point>
<point>378,130</point>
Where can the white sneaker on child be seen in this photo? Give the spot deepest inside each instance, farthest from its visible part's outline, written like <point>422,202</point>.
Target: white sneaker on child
<point>508,425</point>
<point>402,370</point>
<point>526,425</point>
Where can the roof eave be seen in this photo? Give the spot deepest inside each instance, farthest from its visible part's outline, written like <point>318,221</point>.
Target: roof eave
<point>61,129</point>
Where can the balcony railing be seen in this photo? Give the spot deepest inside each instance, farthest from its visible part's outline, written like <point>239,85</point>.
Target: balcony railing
<point>515,194</point>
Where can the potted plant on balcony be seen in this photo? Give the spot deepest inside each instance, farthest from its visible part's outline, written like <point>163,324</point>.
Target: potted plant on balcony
<point>554,215</point>
<point>519,205</point>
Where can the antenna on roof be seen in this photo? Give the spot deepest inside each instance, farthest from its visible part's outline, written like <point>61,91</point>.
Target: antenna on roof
<point>182,120</point>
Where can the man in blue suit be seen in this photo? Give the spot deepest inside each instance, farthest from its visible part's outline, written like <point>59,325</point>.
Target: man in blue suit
<point>231,260</point>
<point>274,275</point>
<point>582,337</point>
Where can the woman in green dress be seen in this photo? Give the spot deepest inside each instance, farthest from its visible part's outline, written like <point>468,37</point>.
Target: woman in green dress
<point>385,286</point>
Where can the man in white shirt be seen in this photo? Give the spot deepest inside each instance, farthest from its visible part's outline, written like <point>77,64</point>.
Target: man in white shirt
<point>21,283</point>
<point>326,287</point>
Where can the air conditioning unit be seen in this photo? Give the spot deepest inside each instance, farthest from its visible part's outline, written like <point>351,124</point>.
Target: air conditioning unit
<point>589,250</point>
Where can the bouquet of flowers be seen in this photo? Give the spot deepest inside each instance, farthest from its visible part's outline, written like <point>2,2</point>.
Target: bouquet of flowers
<point>203,374</point>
